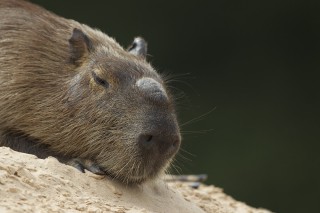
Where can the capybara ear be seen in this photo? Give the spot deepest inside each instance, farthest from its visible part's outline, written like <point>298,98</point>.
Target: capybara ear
<point>138,47</point>
<point>80,46</point>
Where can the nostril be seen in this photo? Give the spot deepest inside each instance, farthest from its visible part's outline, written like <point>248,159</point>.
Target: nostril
<point>175,143</point>
<point>149,138</point>
<point>146,141</point>
<point>162,143</point>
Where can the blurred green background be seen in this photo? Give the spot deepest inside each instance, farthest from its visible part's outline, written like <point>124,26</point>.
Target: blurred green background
<point>251,68</point>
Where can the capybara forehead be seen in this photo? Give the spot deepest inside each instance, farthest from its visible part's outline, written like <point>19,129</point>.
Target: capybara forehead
<point>125,68</point>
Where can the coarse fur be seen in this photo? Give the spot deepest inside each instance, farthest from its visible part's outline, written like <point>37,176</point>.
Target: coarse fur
<point>52,101</point>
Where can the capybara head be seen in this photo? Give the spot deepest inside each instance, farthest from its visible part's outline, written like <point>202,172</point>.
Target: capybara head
<point>72,92</point>
<point>124,108</point>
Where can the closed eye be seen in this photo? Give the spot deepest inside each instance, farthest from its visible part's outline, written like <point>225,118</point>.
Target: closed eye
<point>99,80</point>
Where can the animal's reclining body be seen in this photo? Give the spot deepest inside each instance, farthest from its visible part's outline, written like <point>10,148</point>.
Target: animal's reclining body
<point>72,92</point>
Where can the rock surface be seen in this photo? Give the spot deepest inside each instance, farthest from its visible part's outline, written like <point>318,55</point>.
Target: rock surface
<point>29,184</point>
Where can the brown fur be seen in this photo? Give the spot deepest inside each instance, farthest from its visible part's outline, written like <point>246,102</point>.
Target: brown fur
<point>51,105</point>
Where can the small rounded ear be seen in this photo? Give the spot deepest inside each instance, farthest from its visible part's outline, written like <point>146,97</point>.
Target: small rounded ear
<point>138,47</point>
<point>80,46</point>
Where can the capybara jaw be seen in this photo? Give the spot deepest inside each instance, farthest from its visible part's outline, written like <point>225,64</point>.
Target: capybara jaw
<point>126,179</point>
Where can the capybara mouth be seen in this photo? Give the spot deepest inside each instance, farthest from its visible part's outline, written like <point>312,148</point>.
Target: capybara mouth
<point>135,160</point>
<point>138,171</point>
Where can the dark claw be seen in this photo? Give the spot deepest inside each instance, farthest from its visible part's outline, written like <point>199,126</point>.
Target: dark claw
<point>95,169</point>
<point>195,185</point>
<point>83,165</point>
<point>79,167</point>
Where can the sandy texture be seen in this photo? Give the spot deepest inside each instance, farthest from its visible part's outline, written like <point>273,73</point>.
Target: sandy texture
<point>29,184</point>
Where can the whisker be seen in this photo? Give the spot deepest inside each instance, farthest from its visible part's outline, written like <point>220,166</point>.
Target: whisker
<point>198,118</point>
<point>170,77</point>
<point>175,168</point>
<point>185,151</point>
<point>119,172</point>
<point>180,155</point>
<point>185,132</point>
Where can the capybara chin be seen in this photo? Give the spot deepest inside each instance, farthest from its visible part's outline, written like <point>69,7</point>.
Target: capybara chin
<point>72,92</point>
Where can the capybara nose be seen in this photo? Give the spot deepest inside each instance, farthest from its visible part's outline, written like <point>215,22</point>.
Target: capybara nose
<point>164,144</point>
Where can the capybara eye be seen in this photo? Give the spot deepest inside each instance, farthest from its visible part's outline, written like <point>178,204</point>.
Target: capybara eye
<point>99,80</point>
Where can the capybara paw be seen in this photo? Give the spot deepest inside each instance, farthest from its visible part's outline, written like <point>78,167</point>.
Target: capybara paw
<point>84,164</point>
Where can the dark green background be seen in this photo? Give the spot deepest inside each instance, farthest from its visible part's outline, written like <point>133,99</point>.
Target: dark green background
<point>256,63</point>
